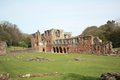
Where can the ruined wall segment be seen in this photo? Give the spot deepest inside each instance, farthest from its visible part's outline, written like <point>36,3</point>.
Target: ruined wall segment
<point>3,47</point>
<point>37,43</point>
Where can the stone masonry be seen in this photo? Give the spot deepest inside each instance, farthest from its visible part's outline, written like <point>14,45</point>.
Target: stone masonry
<point>58,41</point>
<point>3,46</point>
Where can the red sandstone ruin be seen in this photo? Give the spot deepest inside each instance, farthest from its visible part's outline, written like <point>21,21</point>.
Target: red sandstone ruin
<point>58,41</point>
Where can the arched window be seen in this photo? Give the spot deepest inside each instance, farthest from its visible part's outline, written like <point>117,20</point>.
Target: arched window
<point>58,33</point>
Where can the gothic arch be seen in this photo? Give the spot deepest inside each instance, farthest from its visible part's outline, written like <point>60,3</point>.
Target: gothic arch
<point>60,50</point>
<point>64,50</point>
<point>43,49</point>
<point>54,50</point>
<point>57,49</point>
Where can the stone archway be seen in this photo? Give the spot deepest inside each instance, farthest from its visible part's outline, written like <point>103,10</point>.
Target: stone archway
<point>57,49</point>
<point>67,49</point>
<point>43,49</point>
<point>54,50</point>
<point>60,50</point>
<point>64,50</point>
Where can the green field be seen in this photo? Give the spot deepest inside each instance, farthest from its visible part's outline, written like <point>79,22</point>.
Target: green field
<point>89,67</point>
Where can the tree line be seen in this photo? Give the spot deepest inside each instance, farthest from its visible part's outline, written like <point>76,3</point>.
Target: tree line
<point>110,31</point>
<point>11,34</point>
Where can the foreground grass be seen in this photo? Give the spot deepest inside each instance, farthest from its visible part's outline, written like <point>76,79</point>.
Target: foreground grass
<point>90,67</point>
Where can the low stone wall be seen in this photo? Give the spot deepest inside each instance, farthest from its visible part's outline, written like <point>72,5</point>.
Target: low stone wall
<point>3,46</point>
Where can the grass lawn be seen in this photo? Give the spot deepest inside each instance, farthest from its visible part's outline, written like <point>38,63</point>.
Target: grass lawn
<point>90,67</point>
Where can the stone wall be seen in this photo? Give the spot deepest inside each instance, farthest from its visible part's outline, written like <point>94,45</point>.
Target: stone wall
<point>2,47</point>
<point>58,41</point>
<point>104,48</point>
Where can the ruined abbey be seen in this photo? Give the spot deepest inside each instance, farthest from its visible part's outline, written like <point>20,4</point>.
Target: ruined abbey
<point>58,41</point>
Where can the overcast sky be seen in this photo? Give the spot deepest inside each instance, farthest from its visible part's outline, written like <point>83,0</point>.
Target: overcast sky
<point>71,15</point>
